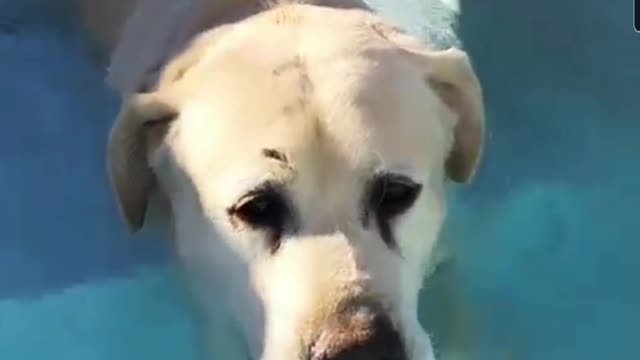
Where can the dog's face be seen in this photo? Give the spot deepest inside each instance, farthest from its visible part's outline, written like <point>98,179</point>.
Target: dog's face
<point>304,153</point>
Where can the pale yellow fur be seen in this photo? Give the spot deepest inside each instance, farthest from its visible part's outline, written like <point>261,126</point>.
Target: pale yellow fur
<point>342,94</point>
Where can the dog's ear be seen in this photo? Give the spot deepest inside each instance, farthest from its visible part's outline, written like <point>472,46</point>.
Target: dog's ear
<point>141,124</point>
<point>450,74</point>
<point>452,77</point>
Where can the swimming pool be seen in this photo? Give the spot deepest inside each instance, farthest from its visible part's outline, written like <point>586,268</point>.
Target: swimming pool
<point>543,246</point>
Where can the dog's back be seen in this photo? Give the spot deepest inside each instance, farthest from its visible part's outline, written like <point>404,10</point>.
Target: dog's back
<point>139,36</point>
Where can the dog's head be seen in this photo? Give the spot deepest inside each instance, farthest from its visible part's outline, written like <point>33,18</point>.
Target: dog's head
<point>304,152</point>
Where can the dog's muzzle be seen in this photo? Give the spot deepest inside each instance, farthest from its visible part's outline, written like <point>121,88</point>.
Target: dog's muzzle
<point>359,332</point>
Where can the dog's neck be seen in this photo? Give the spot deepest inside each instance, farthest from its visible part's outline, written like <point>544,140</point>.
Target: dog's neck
<point>159,29</point>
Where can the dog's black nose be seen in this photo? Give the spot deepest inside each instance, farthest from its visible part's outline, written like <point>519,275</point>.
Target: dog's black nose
<point>363,333</point>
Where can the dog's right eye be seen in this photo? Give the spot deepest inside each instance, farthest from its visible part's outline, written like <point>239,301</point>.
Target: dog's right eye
<point>265,210</point>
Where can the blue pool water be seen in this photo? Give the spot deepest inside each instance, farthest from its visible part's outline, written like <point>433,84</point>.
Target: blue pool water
<point>544,247</point>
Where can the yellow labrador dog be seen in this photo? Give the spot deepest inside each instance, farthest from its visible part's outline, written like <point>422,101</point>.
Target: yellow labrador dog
<point>304,149</point>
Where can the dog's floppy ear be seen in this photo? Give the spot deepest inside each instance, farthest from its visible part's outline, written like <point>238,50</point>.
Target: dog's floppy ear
<point>450,74</point>
<point>143,119</point>
<point>453,78</point>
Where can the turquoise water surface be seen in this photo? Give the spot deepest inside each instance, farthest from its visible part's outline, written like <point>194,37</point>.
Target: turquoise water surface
<point>544,247</point>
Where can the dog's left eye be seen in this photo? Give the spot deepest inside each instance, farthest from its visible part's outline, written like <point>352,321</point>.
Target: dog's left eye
<point>393,194</point>
<point>390,195</point>
<point>263,209</point>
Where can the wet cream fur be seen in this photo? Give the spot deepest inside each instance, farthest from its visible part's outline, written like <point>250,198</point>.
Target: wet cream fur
<point>342,94</point>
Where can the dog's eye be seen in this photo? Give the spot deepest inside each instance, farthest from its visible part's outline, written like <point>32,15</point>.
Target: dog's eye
<point>156,129</point>
<point>263,209</point>
<point>392,195</point>
<point>260,210</point>
<point>160,121</point>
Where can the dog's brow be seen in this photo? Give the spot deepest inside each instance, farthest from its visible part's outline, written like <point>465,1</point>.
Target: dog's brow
<point>294,64</point>
<point>275,154</point>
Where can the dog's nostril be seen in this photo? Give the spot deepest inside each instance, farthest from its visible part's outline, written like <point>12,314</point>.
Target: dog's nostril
<point>359,335</point>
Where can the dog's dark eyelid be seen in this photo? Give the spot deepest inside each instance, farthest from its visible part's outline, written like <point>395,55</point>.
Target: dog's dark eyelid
<point>164,120</point>
<point>264,208</point>
<point>399,192</point>
<point>394,187</point>
<point>260,199</point>
<point>389,196</point>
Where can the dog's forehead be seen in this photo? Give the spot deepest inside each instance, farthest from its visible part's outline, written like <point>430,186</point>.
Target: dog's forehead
<point>313,97</point>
